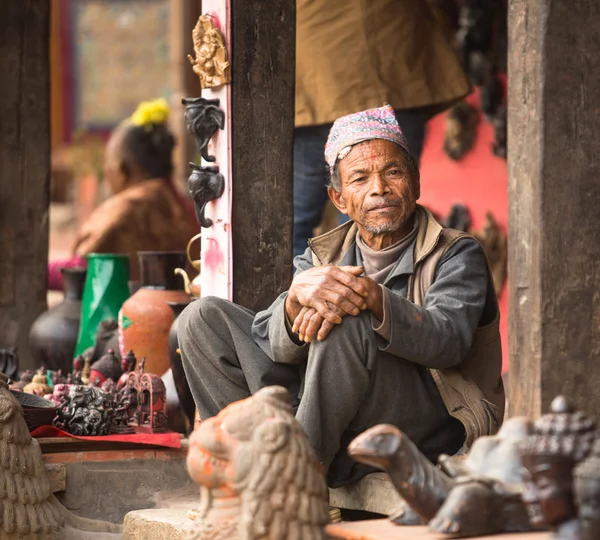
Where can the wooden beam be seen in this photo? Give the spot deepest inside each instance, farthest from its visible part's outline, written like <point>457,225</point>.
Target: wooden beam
<point>24,168</point>
<point>554,202</point>
<point>263,77</point>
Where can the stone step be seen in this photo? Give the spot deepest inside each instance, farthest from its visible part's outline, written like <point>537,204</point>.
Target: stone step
<point>157,524</point>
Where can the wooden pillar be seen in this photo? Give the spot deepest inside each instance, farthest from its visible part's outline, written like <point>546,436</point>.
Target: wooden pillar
<point>554,201</point>
<point>24,168</point>
<point>262,123</point>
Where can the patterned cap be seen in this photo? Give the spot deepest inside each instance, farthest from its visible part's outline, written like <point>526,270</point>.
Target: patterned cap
<point>379,123</point>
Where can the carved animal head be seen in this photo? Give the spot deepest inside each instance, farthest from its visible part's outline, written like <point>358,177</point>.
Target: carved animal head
<point>379,446</point>
<point>255,449</point>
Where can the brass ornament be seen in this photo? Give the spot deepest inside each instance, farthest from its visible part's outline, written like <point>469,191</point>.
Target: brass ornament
<point>211,63</point>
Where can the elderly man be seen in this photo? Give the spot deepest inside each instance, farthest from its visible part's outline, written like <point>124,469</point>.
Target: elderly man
<point>389,317</point>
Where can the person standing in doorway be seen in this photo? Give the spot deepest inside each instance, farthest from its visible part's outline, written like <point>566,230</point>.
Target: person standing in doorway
<point>355,54</point>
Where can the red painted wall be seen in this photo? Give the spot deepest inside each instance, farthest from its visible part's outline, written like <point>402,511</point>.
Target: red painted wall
<point>479,181</point>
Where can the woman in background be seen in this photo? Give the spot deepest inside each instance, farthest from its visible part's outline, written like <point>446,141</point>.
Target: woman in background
<point>145,213</point>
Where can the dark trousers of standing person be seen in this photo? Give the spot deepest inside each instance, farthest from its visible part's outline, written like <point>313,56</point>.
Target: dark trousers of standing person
<point>311,176</point>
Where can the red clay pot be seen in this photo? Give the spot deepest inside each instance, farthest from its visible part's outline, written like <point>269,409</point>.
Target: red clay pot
<point>146,317</point>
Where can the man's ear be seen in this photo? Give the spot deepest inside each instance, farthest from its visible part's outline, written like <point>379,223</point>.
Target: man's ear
<point>337,199</point>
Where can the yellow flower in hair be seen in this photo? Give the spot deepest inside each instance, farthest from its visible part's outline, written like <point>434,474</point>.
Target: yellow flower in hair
<point>151,112</point>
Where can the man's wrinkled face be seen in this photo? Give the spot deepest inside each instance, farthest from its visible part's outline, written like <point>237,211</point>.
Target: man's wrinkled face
<point>377,190</point>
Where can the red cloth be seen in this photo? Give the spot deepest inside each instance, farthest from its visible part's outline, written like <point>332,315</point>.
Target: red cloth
<point>55,278</point>
<point>170,439</point>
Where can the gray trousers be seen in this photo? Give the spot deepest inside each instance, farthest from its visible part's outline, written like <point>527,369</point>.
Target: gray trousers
<point>346,385</point>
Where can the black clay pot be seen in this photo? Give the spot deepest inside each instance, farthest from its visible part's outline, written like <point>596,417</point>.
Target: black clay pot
<point>53,336</point>
<point>183,390</point>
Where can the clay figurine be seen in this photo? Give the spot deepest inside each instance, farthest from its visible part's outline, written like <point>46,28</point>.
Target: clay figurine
<point>107,367</point>
<point>202,118</point>
<point>38,385</point>
<point>258,475</point>
<point>211,64</point>
<point>476,494</point>
<point>59,394</point>
<point>205,184</point>
<point>560,440</point>
<point>587,494</point>
<point>85,411</point>
<point>24,379</point>
<point>127,366</point>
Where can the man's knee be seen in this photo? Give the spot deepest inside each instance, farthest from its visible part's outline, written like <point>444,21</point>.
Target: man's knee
<point>194,317</point>
<point>355,333</point>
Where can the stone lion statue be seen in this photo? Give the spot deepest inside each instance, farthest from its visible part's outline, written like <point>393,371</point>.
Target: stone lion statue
<point>258,476</point>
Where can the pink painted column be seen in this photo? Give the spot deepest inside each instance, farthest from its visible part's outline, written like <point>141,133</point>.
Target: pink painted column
<point>216,244</point>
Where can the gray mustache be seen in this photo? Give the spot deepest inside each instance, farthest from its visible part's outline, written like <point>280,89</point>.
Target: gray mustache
<point>380,202</point>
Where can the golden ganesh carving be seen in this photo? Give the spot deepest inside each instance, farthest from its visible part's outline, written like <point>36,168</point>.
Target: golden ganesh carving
<point>258,475</point>
<point>211,63</point>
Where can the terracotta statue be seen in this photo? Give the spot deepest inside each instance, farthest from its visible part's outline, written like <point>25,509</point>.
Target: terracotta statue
<point>211,64</point>
<point>203,118</point>
<point>587,494</point>
<point>106,367</point>
<point>29,510</point>
<point>85,411</point>
<point>258,476</point>
<point>476,494</point>
<point>560,440</point>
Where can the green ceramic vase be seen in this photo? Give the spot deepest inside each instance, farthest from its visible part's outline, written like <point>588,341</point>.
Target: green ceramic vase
<point>106,288</point>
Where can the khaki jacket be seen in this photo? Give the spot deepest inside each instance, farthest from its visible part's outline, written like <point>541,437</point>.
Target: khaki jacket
<point>472,391</point>
<point>352,55</point>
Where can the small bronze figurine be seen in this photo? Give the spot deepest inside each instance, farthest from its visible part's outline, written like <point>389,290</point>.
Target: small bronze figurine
<point>211,64</point>
<point>205,184</point>
<point>202,118</point>
<point>127,365</point>
<point>39,384</point>
<point>559,441</point>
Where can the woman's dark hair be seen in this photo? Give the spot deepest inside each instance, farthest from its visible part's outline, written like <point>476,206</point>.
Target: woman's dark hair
<point>149,149</point>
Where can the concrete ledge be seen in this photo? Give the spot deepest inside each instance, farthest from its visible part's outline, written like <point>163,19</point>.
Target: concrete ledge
<point>157,524</point>
<point>373,493</point>
<point>382,529</point>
